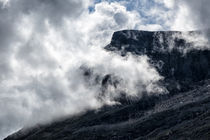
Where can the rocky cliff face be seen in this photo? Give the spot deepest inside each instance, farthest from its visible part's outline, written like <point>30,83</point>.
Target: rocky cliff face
<point>180,60</point>
<point>168,50</point>
<point>182,114</point>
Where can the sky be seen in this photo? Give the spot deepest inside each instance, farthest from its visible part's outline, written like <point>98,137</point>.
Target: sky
<point>45,44</point>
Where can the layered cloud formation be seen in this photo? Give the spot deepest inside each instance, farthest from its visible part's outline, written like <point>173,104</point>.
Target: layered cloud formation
<point>44,43</point>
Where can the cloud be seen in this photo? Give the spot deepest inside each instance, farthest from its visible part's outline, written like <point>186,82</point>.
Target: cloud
<point>167,3</point>
<point>186,15</point>
<point>199,11</point>
<point>53,10</point>
<point>44,44</point>
<point>190,16</point>
<point>154,13</point>
<point>182,19</point>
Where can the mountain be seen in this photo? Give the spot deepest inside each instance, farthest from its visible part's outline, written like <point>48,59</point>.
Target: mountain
<point>183,113</point>
<point>169,51</point>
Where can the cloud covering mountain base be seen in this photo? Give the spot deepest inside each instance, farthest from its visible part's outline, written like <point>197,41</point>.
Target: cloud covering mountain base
<point>44,44</point>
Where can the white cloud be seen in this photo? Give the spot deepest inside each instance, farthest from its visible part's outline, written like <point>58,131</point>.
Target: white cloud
<point>167,3</point>
<point>43,45</point>
<point>199,12</point>
<point>186,15</point>
<point>43,48</point>
<point>107,18</point>
<point>183,19</point>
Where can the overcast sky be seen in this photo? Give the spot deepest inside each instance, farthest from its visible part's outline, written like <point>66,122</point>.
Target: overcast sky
<point>44,43</point>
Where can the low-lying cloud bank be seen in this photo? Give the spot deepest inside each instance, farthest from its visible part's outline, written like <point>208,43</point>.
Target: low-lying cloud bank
<point>44,44</point>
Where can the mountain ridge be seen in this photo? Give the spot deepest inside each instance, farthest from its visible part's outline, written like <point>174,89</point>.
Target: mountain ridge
<point>183,67</point>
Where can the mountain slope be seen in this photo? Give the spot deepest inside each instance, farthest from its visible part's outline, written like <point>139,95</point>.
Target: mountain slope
<point>184,113</point>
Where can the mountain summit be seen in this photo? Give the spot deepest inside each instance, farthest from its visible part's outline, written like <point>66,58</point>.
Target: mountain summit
<point>181,60</point>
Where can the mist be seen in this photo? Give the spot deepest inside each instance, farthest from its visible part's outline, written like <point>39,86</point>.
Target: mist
<point>200,12</point>
<point>44,45</point>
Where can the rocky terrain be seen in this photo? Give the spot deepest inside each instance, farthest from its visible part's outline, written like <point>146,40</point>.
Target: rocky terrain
<point>183,113</point>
